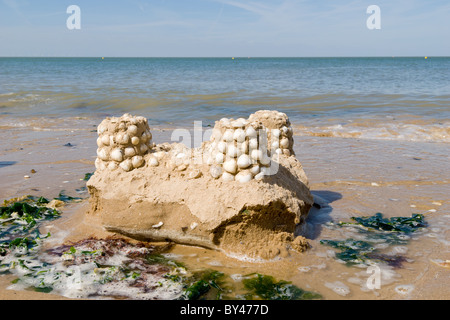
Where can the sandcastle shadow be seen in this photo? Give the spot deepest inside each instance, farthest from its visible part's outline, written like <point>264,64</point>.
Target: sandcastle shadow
<point>319,214</point>
<point>7,163</point>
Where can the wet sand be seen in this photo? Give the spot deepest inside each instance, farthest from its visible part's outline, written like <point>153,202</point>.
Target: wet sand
<point>351,177</point>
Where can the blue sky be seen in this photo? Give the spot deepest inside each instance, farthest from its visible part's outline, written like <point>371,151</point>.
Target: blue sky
<point>224,28</point>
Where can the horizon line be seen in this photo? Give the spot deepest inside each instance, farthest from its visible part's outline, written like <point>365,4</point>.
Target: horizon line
<point>224,57</point>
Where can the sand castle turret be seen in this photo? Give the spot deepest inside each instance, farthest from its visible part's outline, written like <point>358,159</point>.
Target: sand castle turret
<point>122,143</point>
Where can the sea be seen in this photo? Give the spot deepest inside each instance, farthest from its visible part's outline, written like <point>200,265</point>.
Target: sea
<point>394,98</point>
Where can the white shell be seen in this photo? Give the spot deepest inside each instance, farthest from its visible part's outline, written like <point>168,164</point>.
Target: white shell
<point>153,162</point>
<point>227,176</point>
<point>239,135</point>
<point>215,172</point>
<point>284,143</point>
<point>255,170</point>
<point>123,138</point>
<point>253,143</point>
<point>290,132</point>
<point>259,176</point>
<point>122,126</point>
<point>228,135</point>
<point>275,145</point>
<point>106,140</point>
<point>256,154</point>
<point>193,225</point>
<point>195,174</point>
<point>112,165</point>
<point>232,151</point>
<point>103,154</point>
<point>159,225</point>
<point>117,155</point>
<point>244,161</point>
<point>137,161</point>
<point>276,133</point>
<point>143,149</point>
<point>278,151</point>
<point>251,132</point>
<point>101,128</point>
<point>266,171</point>
<point>243,120</point>
<point>222,147</point>
<point>129,152</point>
<point>126,165</point>
<point>244,176</point>
<point>99,164</point>
<point>286,152</point>
<point>216,135</point>
<point>220,158</point>
<point>265,160</point>
<point>225,122</point>
<point>243,147</point>
<point>285,130</point>
<point>237,124</point>
<point>135,141</point>
<point>230,166</point>
<point>144,137</point>
<point>99,142</point>
<point>133,130</point>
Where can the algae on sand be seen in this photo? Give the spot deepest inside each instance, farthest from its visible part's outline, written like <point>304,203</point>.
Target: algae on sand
<point>394,230</point>
<point>267,288</point>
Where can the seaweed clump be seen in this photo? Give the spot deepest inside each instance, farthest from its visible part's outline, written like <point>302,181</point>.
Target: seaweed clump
<point>264,287</point>
<point>405,225</point>
<point>211,284</point>
<point>376,229</point>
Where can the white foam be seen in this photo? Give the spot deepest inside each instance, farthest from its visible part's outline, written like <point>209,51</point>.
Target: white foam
<point>404,289</point>
<point>338,287</point>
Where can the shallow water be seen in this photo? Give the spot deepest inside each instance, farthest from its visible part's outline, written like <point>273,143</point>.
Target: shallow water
<point>348,177</point>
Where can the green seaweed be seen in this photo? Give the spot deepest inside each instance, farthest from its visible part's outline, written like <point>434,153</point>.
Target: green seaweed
<point>207,284</point>
<point>157,258</point>
<point>22,215</point>
<point>267,288</point>
<point>87,176</point>
<point>352,251</point>
<point>65,198</point>
<point>395,224</point>
<point>376,229</point>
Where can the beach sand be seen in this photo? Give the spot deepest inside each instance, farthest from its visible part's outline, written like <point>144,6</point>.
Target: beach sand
<point>352,177</point>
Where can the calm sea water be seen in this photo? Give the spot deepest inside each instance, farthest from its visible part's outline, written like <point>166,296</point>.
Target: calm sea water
<point>319,94</point>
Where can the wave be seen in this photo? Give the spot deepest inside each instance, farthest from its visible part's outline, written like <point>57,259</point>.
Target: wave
<point>421,131</point>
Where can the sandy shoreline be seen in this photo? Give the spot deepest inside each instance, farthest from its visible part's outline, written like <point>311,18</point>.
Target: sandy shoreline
<point>356,177</point>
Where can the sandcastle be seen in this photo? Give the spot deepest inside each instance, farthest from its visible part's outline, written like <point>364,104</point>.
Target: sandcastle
<point>243,192</point>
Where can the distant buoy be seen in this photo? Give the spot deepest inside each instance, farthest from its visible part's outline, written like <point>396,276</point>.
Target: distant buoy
<point>426,57</point>
<point>232,58</point>
<point>103,58</point>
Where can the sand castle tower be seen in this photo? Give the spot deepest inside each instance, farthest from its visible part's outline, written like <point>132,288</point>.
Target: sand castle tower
<point>244,149</point>
<point>123,142</point>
